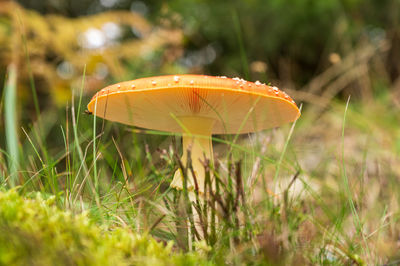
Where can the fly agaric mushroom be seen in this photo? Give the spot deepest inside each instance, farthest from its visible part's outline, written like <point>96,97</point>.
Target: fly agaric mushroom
<point>196,106</point>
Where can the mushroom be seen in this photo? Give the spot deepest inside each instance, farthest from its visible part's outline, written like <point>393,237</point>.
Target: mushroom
<point>196,106</point>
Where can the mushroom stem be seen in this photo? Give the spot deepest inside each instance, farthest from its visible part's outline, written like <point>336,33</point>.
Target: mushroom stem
<point>196,138</point>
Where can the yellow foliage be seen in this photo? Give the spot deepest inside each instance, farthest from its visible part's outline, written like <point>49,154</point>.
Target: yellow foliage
<point>51,40</point>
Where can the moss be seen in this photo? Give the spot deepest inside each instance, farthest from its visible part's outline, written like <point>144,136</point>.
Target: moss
<point>35,232</point>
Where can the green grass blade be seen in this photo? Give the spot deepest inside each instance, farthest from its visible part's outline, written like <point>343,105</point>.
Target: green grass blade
<point>75,122</point>
<point>356,218</point>
<point>279,163</point>
<point>30,73</point>
<point>242,49</point>
<point>80,96</point>
<point>10,113</point>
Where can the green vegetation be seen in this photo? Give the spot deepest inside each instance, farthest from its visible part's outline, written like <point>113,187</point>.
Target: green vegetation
<point>33,231</point>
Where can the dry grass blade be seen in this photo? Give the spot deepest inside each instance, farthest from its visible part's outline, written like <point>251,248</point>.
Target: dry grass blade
<point>157,222</point>
<point>352,60</point>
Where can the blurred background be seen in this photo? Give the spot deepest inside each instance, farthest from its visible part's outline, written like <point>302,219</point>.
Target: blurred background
<point>300,45</point>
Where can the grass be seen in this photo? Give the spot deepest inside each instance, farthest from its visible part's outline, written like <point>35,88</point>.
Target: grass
<point>324,191</point>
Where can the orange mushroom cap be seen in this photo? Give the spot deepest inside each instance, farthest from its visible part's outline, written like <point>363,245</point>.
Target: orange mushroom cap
<point>236,105</point>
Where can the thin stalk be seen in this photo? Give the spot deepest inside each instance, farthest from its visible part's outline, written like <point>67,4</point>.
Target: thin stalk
<point>243,55</point>
<point>356,218</point>
<point>95,175</point>
<point>278,166</point>
<point>75,121</point>
<point>30,74</point>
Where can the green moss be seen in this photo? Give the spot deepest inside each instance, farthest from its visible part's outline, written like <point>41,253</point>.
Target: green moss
<point>35,232</point>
